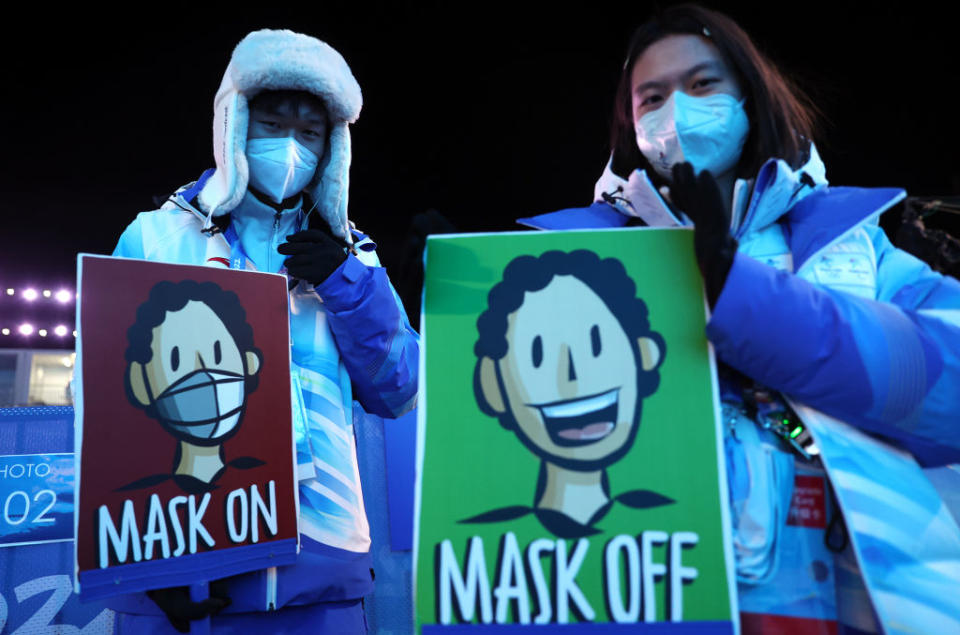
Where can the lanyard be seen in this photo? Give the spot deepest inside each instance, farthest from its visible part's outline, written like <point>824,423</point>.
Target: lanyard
<point>238,257</point>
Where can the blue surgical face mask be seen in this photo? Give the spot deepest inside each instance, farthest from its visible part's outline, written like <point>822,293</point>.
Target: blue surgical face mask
<point>708,132</point>
<point>279,166</point>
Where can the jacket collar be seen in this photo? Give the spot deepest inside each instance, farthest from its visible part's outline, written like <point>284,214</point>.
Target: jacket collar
<point>814,214</point>
<point>775,190</point>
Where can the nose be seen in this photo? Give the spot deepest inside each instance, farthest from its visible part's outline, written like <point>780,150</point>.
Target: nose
<point>198,362</point>
<point>566,374</point>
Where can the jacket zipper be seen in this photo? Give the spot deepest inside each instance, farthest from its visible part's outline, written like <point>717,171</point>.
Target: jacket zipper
<point>273,241</point>
<point>271,589</point>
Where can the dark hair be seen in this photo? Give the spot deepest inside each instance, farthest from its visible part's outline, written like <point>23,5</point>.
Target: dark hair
<point>272,99</point>
<point>607,278</point>
<point>169,296</point>
<point>781,116</point>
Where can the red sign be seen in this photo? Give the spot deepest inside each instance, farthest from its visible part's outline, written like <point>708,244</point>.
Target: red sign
<point>808,507</point>
<point>187,443</point>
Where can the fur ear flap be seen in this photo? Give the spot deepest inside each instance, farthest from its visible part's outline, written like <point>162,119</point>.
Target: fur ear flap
<point>331,185</point>
<point>650,353</point>
<point>138,386</point>
<point>487,387</point>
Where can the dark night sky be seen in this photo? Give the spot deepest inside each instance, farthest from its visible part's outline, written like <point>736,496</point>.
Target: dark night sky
<point>484,114</point>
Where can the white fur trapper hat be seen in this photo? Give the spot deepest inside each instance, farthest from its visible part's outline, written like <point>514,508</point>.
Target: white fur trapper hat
<point>283,60</point>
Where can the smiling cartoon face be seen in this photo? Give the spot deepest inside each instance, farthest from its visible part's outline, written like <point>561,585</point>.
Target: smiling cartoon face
<point>569,376</point>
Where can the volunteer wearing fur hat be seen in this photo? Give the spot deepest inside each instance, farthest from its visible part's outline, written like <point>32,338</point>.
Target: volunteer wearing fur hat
<point>811,303</point>
<point>277,202</point>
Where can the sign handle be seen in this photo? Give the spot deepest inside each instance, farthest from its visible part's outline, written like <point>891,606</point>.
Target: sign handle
<point>200,591</point>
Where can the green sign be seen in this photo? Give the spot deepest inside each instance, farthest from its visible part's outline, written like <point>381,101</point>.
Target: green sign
<point>569,440</point>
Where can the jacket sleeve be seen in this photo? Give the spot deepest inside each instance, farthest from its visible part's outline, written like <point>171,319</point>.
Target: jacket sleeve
<point>378,346</point>
<point>889,366</point>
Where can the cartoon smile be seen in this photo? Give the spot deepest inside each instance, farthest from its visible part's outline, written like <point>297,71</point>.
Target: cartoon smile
<point>580,421</point>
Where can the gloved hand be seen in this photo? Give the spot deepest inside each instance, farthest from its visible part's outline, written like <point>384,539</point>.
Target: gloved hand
<point>175,602</point>
<point>314,255</point>
<point>699,197</point>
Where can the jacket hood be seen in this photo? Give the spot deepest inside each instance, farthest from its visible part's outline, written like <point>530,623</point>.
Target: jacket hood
<point>283,60</point>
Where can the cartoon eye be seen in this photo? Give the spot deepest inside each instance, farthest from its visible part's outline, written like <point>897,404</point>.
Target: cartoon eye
<point>537,351</point>
<point>217,355</point>
<point>595,339</point>
<point>175,358</point>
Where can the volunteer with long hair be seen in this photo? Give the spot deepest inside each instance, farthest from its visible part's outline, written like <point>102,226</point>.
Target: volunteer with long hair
<point>809,299</point>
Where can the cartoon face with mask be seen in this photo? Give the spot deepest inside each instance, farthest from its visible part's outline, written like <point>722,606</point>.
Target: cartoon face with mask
<point>191,364</point>
<point>687,106</point>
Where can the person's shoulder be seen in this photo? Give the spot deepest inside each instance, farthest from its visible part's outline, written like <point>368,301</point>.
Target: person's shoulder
<point>166,219</point>
<point>155,231</point>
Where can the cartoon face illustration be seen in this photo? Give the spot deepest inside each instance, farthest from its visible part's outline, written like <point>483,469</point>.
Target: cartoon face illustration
<point>191,361</point>
<point>570,383</point>
<point>565,358</point>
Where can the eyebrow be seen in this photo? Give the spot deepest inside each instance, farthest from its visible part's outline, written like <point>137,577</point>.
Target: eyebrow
<point>274,111</point>
<point>690,72</point>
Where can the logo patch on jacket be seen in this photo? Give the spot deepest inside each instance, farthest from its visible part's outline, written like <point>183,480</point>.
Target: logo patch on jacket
<point>849,266</point>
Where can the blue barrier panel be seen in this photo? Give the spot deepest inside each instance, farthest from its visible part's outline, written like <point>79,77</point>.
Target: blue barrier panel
<point>36,583</point>
<point>36,498</point>
<point>400,438</point>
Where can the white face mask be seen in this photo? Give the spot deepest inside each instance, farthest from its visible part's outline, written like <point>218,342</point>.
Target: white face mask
<point>708,132</point>
<point>279,166</point>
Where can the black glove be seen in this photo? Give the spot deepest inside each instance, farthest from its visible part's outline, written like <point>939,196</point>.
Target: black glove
<point>314,255</point>
<point>175,602</point>
<point>699,198</point>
